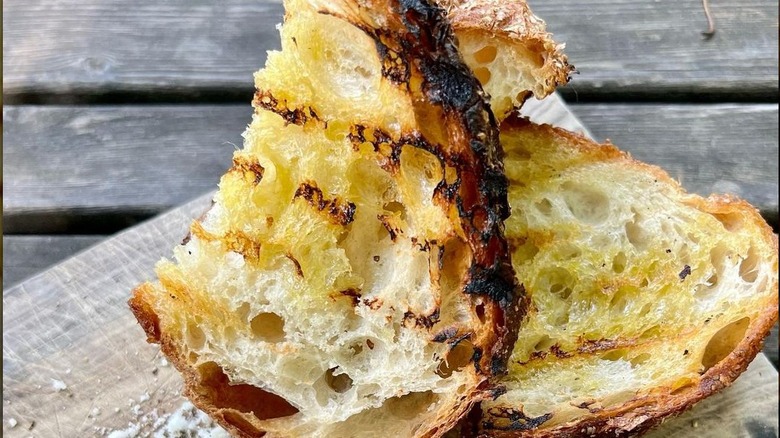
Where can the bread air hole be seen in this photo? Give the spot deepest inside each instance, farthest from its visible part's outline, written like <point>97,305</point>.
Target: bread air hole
<point>458,357</point>
<point>523,96</point>
<point>268,327</point>
<point>544,343</point>
<point>480,311</point>
<point>620,300</point>
<point>731,221</point>
<point>559,282</point>
<point>568,252</point>
<point>482,74</point>
<point>194,336</point>
<point>486,54</point>
<point>561,290</point>
<point>627,356</point>
<point>635,234</point>
<point>682,386</point>
<point>544,206</point>
<point>619,262</point>
<point>586,204</point>
<point>216,389</point>
<point>650,332</point>
<point>748,268</point>
<point>724,342</point>
<point>395,208</point>
<point>410,405</point>
<point>340,383</point>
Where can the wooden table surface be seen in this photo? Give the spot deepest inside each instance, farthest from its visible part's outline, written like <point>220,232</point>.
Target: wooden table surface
<point>115,111</point>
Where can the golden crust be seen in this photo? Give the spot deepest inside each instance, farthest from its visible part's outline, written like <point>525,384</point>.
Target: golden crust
<point>205,387</point>
<point>641,413</point>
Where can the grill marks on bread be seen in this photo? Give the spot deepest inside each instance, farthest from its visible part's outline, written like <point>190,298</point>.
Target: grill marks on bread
<point>247,166</point>
<point>234,240</point>
<point>446,94</point>
<point>338,211</point>
<point>297,116</point>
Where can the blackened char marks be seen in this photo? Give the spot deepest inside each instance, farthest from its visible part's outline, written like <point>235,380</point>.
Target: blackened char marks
<point>394,67</point>
<point>455,124</point>
<point>390,152</point>
<point>445,335</point>
<point>472,144</point>
<point>490,281</point>
<point>295,116</point>
<point>426,321</point>
<point>382,143</point>
<point>353,294</point>
<point>391,229</point>
<point>513,419</point>
<point>249,167</point>
<point>338,211</point>
<point>296,263</point>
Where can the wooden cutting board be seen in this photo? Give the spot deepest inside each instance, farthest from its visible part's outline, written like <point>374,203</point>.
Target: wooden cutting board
<point>75,363</point>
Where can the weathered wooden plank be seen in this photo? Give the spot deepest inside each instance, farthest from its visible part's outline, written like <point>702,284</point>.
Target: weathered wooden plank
<point>654,50</point>
<point>94,170</point>
<point>771,346</point>
<point>87,169</point>
<point>69,51</point>
<point>25,256</point>
<point>145,49</point>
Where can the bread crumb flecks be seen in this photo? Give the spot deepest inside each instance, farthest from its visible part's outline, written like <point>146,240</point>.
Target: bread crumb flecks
<point>130,432</point>
<point>58,385</point>
<point>12,422</point>
<point>186,421</point>
<point>190,421</point>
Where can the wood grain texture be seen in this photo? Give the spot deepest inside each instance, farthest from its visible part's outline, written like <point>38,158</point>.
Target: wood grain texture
<point>24,256</point>
<point>79,169</point>
<point>82,51</point>
<point>653,49</point>
<point>99,169</point>
<point>71,346</point>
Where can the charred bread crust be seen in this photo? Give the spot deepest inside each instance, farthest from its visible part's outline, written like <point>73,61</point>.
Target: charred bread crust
<point>419,53</point>
<point>475,153</point>
<point>642,413</point>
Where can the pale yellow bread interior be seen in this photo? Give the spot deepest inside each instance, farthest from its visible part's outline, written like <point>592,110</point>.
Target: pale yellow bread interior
<point>644,299</point>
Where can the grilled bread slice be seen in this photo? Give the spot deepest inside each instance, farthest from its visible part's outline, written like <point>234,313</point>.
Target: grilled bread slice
<point>643,299</point>
<point>352,277</point>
